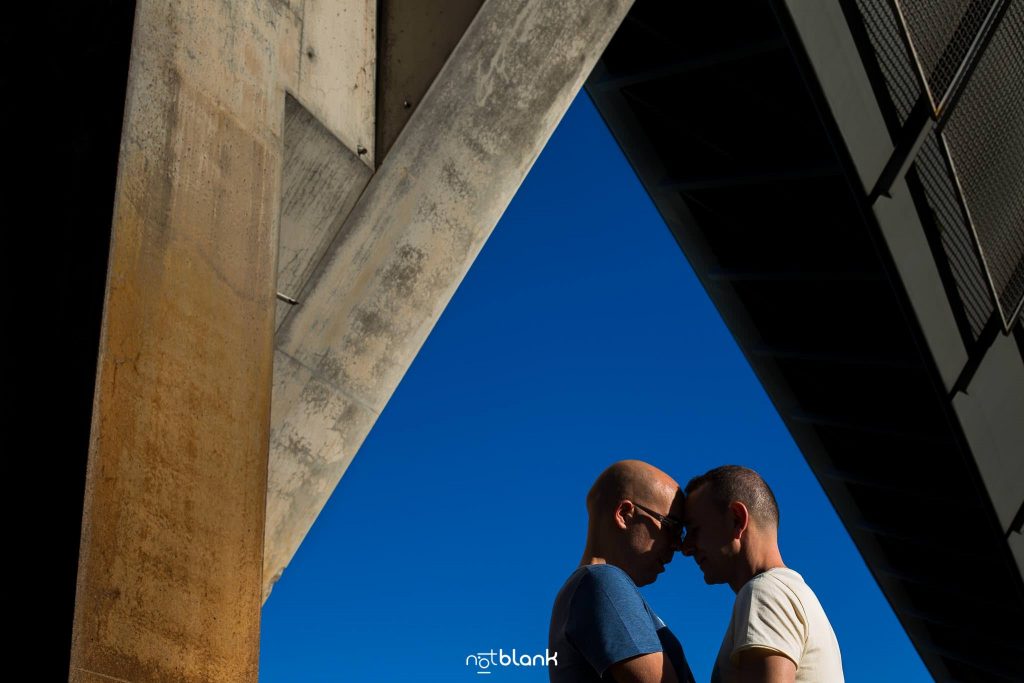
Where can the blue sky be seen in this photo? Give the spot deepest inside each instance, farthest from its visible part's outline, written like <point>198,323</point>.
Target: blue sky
<point>579,337</point>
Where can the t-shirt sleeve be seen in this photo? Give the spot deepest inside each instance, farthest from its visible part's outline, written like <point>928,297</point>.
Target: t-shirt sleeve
<point>608,620</point>
<point>768,616</point>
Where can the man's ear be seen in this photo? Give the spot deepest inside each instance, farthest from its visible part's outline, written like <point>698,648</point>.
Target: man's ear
<point>624,512</point>
<point>739,515</point>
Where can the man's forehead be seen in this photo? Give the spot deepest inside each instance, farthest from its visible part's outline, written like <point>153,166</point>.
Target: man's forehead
<point>693,503</point>
<point>663,488</point>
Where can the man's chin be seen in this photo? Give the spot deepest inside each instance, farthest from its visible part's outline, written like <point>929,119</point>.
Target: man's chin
<point>650,578</point>
<point>710,579</point>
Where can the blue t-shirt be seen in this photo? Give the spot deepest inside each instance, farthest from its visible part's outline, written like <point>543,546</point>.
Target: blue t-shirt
<point>600,618</point>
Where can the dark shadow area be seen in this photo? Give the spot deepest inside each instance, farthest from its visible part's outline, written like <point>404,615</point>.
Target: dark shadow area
<point>84,75</point>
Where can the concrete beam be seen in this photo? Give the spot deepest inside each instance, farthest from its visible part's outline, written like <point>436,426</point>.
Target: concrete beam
<point>990,413</point>
<point>826,37</point>
<point>337,69</point>
<point>412,237</point>
<point>907,242</point>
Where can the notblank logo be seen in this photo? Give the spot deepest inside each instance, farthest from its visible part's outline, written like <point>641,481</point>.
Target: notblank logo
<point>485,662</point>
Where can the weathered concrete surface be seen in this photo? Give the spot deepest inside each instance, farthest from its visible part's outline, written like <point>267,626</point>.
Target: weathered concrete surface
<point>416,37</point>
<point>336,80</point>
<point>316,430</point>
<point>320,184</point>
<point>169,581</point>
<point>180,494</point>
<point>412,237</point>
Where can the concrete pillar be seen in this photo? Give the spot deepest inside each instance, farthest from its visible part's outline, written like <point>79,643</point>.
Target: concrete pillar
<point>412,236</point>
<point>169,583</point>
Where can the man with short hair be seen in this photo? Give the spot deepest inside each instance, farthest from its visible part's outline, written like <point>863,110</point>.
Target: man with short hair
<point>779,631</point>
<point>601,627</point>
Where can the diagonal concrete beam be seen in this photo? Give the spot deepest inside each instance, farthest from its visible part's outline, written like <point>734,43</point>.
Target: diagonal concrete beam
<point>410,240</point>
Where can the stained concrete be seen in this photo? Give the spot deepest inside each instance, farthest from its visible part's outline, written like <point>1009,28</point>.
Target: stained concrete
<point>414,234</point>
<point>316,430</point>
<point>214,444</point>
<point>169,580</point>
<point>321,181</point>
<point>337,69</point>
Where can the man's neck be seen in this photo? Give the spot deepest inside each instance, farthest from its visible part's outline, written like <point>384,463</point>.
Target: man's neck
<point>755,561</point>
<point>593,554</point>
<point>598,553</point>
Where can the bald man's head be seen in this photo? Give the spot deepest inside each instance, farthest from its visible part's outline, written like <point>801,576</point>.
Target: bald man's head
<point>628,479</point>
<point>635,513</point>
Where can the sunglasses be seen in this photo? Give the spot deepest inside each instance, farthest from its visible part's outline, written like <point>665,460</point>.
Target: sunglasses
<point>673,526</point>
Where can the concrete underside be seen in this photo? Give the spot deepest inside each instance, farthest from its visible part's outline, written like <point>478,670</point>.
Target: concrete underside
<point>759,137</point>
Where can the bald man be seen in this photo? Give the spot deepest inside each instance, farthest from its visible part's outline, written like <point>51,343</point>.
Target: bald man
<point>601,627</point>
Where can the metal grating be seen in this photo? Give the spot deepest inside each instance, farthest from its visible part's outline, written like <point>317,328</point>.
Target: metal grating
<point>985,140</point>
<point>942,34</point>
<point>884,32</point>
<point>957,240</point>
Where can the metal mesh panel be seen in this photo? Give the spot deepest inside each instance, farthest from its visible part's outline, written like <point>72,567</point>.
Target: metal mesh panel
<point>985,139</point>
<point>884,32</point>
<point>955,235</point>
<point>941,34</point>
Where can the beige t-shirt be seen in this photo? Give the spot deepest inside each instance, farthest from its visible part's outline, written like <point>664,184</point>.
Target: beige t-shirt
<point>777,611</point>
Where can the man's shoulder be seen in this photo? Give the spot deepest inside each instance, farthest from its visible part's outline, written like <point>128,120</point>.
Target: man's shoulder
<point>780,585</point>
<point>782,599</point>
<point>606,576</point>
<point>783,588</point>
<point>600,618</point>
<point>776,579</point>
<point>607,573</point>
<point>598,583</point>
